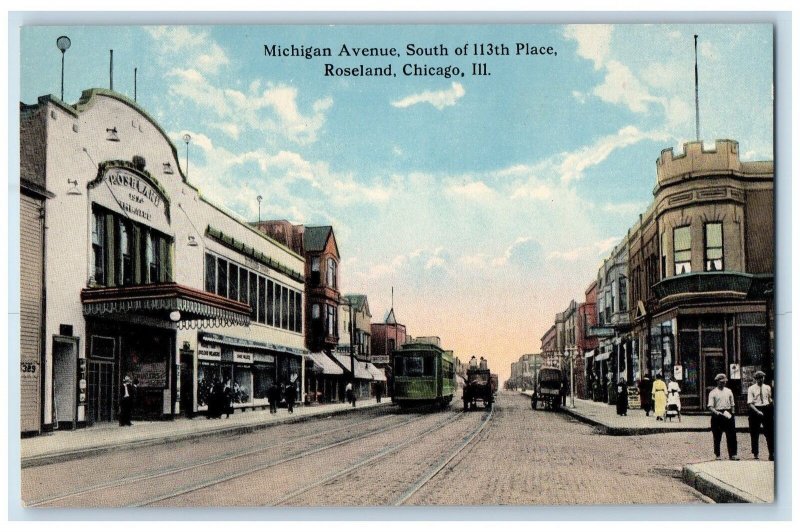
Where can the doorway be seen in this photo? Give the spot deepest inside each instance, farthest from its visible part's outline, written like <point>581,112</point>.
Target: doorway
<point>101,391</point>
<point>65,367</point>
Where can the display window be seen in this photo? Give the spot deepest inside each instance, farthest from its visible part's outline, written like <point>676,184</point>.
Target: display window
<point>208,373</point>
<point>263,378</point>
<point>242,385</point>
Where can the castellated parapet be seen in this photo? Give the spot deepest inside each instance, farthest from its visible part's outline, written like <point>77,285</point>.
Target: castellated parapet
<point>695,161</point>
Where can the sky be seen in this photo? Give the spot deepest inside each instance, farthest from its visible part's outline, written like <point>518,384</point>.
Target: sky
<point>487,202</point>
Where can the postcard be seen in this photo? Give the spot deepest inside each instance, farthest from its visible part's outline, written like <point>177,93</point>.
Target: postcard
<point>380,265</point>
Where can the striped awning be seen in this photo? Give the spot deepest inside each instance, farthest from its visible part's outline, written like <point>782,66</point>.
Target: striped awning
<point>169,305</point>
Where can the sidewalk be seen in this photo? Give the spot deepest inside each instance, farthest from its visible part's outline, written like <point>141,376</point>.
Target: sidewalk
<point>60,446</point>
<point>747,481</point>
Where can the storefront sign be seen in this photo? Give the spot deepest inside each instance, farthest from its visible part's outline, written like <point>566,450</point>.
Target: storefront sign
<point>735,372</point>
<point>677,373</point>
<point>380,359</point>
<point>242,358</point>
<point>261,357</point>
<point>634,401</point>
<point>209,352</point>
<point>150,375</point>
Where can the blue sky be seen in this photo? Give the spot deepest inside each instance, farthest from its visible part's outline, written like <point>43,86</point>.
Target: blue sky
<point>487,202</point>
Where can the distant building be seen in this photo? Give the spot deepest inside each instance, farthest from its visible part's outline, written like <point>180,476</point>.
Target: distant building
<point>386,337</point>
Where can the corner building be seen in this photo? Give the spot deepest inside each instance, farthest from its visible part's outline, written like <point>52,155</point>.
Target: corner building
<point>145,277</point>
<point>700,264</point>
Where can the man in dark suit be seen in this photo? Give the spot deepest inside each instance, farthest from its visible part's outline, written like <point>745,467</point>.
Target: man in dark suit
<point>127,397</point>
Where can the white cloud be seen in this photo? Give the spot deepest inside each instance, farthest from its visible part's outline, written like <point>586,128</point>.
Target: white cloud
<point>595,249</point>
<point>524,249</point>
<point>475,191</point>
<point>579,96</point>
<point>194,47</point>
<point>530,190</point>
<point>594,41</point>
<point>574,164</point>
<point>621,87</point>
<point>438,99</point>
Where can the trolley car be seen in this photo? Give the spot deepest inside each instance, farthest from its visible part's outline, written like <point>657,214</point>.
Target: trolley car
<point>424,374</point>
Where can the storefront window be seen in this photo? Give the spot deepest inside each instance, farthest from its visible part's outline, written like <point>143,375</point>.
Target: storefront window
<point>263,377</point>
<point>242,384</point>
<point>207,376</point>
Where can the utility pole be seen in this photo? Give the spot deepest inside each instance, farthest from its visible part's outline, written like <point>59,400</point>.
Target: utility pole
<point>571,352</point>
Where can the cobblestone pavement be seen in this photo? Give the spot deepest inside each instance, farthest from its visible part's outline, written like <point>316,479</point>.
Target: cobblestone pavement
<point>530,457</point>
<point>522,457</point>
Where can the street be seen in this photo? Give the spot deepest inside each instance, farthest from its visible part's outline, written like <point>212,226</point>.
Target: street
<point>384,456</point>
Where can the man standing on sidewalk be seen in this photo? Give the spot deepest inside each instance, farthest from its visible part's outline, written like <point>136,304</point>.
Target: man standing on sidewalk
<point>722,405</point>
<point>759,403</point>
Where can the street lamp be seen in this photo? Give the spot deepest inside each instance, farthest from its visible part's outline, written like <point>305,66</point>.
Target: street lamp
<point>63,43</point>
<point>186,138</point>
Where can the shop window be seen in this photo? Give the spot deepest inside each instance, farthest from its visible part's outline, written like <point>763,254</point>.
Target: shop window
<point>222,277</point>
<point>263,377</point>
<point>682,246</point>
<point>98,247</point>
<point>207,376</point>
<point>262,307</point>
<point>211,273</point>
<point>270,303</point>
<point>242,384</point>
<point>714,262</point>
<point>752,346</point>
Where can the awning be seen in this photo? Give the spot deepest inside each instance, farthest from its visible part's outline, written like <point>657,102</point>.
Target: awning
<point>254,344</point>
<point>377,374</point>
<point>324,365</point>
<point>602,356</point>
<point>589,353</point>
<point>361,371</point>
<point>167,305</point>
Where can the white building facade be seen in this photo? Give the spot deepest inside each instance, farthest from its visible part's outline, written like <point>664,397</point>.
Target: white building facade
<point>146,278</point>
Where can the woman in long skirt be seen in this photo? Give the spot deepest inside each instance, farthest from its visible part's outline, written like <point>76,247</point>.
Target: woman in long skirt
<point>622,398</point>
<point>659,397</point>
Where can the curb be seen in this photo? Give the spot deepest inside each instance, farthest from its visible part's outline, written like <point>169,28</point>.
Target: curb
<point>715,489</point>
<point>635,431</point>
<point>75,454</point>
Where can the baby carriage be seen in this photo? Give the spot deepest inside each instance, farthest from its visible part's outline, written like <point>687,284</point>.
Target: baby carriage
<point>673,402</point>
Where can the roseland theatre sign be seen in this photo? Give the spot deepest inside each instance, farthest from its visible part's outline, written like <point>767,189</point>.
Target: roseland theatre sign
<point>133,195</point>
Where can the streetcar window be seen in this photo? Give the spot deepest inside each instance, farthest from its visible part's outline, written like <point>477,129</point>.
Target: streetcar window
<point>412,366</point>
<point>429,366</point>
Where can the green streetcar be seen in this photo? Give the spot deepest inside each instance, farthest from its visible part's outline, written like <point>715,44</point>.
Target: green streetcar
<point>424,374</point>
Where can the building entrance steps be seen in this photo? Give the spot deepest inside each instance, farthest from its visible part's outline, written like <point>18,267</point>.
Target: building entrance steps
<point>64,445</point>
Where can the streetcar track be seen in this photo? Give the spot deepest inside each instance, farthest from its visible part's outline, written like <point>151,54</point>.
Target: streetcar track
<point>432,472</point>
<point>365,461</point>
<point>232,476</point>
<point>183,468</point>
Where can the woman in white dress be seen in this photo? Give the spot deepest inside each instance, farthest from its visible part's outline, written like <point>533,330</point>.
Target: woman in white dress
<point>673,399</point>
